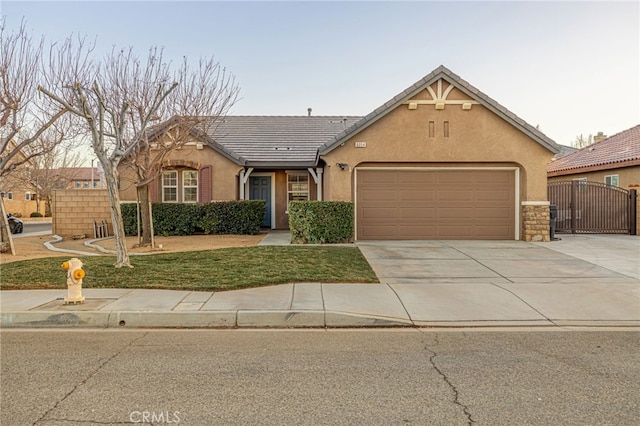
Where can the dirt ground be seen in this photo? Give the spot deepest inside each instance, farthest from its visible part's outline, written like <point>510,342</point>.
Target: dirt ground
<point>33,247</point>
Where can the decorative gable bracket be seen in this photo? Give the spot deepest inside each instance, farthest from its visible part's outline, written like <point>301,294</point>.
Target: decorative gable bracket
<point>439,99</point>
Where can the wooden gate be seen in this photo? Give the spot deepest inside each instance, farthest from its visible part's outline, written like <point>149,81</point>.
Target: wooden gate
<point>593,207</point>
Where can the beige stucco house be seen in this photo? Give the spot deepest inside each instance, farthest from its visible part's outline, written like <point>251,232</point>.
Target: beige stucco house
<point>441,160</point>
<point>613,160</point>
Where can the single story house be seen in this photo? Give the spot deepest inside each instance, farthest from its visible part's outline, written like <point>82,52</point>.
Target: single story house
<point>441,160</point>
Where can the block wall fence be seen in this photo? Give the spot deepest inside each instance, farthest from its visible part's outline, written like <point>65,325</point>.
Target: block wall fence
<point>75,210</point>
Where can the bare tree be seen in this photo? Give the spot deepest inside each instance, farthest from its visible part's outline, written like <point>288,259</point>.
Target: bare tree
<point>204,96</point>
<point>25,117</point>
<point>581,141</point>
<point>118,99</point>
<point>50,171</point>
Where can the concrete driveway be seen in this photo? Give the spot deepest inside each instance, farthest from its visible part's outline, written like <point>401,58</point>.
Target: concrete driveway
<point>513,282</point>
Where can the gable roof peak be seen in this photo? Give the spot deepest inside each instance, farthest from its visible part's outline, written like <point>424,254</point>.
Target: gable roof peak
<point>461,84</point>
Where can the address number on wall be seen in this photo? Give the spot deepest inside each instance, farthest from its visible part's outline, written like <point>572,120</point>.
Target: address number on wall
<point>361,144</point>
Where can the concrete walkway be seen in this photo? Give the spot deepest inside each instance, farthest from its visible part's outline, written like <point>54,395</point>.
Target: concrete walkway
<point>578,281</point>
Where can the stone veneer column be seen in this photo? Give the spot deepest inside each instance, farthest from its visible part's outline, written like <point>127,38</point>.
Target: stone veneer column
<point>535,220</point>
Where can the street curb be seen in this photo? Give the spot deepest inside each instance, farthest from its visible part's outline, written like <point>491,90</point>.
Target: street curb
<point>195,319</point>
<point>263,319</point>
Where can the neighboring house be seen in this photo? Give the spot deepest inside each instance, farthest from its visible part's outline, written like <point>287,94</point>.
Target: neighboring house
<point>19,199</point>
<point>614,160</point>
<point>441,160</point>
<point>18,195</point>
<point>79,177</point>
<point>564,150</point>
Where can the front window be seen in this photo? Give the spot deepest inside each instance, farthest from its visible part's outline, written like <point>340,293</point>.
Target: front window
<point>297,187</point>
<point>190,186</point>
<point>27,196</point>
<point>611,180</point>
<point>170,186</point>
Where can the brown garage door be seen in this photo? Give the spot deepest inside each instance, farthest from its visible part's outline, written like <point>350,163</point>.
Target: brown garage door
<point>435,204</point>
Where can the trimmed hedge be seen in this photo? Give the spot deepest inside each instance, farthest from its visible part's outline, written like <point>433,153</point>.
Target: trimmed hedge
<point>176,219</point>
<point>35,214</point>
<point>321,222</point>
<point>233,217</point>
<point>220,217</point>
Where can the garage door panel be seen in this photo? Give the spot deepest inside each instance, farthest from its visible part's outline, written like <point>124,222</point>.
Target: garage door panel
<point>367,178</point>
<point>496,196</point>
<point>420,214</point>
<point>492,214</point>
<point>435,204</point>
<point>497,179</point>
<point>416,232</point>
<point>454,178</point>
<point>389,213</point>
<point>379,196</point>
<point>414,178</point>
<point>419,194</point>
<point>453,213</point>
<point>455,195</point>
<point>379,232</point>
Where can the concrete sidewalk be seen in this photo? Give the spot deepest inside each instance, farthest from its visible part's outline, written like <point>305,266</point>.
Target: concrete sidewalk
<point>423,283</point>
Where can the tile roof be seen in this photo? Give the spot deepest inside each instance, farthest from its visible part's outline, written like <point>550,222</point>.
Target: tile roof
<point>444,73</point>
<point>619,150</point>
<point>275,141</point>
<point>77,173</point>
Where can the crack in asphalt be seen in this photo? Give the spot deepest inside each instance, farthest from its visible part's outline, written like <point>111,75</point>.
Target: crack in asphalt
<point>445,378</point>
<point>85,380</point>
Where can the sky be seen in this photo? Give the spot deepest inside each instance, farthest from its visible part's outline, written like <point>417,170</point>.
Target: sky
<point>570,68</point>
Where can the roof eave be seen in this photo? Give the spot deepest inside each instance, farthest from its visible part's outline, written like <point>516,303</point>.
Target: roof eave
<point>594,168</point>
<point>280,164</point>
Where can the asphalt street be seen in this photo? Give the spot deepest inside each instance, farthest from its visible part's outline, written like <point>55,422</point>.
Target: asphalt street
<point>32,229</point>
<point>336,377</point>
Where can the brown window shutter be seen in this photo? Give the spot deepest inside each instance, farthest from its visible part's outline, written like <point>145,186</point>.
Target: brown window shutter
<point>204,184</point>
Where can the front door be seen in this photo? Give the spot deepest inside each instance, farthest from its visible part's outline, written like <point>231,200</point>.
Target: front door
<point>260,189</point>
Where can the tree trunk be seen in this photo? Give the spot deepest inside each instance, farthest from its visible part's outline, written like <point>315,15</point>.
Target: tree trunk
<point>122,255</point>
<point>6,239</point>
<point>145,216</point>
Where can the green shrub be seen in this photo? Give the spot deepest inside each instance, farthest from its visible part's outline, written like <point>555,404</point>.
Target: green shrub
<point>321,222</point>
<point>35,214</point>
<point>233,217</point>
<point>222,217</point>
<point>129,218</point>
<point>176,219</point>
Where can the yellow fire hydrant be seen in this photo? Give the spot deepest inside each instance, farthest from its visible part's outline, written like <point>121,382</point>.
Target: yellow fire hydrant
<point>75,274</point>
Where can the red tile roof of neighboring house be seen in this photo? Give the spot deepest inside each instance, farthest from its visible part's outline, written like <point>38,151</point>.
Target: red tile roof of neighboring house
<point>77,173</point>
<point>619,150</point>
